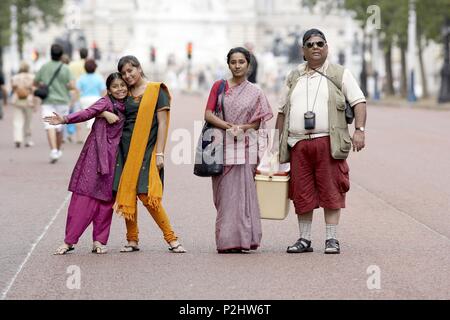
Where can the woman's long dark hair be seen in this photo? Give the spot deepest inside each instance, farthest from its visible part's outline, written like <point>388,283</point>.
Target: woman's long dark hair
<point>131,60</point>
<point>242,50</point>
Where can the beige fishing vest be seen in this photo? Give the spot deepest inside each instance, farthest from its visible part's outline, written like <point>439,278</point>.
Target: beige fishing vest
<point>339,135</point>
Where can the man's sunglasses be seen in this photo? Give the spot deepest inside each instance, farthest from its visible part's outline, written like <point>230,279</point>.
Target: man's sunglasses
<point>320,44</point>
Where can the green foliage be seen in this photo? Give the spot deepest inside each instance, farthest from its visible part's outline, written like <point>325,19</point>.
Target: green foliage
<point>359,8</point>
<point>5,22</point>
<point>430,18</point>
<point>50,10</point>
<point>28,12</point>
<point>394,16</point>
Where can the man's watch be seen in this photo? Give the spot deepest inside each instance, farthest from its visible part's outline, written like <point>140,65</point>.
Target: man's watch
<point>362,129</point>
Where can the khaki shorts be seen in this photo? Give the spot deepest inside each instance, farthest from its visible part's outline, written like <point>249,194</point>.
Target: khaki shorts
<point>48,109</point>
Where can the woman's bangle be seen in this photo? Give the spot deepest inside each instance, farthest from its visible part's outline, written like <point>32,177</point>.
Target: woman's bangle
<point>160,154</point>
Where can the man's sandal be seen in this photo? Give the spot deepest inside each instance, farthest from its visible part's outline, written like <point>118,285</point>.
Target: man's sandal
<point>177,249</point>
<point>128,248</point>
<point>301,245</point>
<point>63,250</point>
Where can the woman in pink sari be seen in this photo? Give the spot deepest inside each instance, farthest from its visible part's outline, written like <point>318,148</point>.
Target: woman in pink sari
<point>245,111</point>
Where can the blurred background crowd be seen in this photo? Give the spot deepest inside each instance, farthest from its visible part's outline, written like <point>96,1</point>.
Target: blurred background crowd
<point>394,48</point>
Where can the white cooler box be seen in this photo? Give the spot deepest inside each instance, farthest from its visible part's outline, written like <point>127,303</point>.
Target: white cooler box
<point>273,195</point>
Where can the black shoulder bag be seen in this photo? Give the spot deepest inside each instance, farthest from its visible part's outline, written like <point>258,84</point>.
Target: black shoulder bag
<point>43,89</point>
<point>209,156</point>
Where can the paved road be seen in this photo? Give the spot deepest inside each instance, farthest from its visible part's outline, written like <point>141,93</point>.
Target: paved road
<point>397,223</point>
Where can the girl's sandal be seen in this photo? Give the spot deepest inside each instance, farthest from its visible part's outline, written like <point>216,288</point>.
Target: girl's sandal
<point>63,250</point>
<point>99,249</point>
<point>129,248</point>
<point>177,249</point>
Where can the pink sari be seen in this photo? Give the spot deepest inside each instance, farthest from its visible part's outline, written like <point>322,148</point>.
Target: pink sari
<point>238,224</point>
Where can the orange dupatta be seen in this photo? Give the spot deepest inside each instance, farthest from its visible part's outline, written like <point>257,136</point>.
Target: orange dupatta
<point>126,202</point>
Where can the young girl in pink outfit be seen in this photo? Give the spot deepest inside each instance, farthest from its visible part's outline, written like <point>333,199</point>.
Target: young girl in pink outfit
<point>92,178</point>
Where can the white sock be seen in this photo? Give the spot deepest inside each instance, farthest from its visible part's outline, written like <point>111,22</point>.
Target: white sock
<point>331,230</point>
<point>305,228</point>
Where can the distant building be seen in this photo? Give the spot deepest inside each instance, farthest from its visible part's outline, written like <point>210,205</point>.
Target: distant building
<point>214,26</point>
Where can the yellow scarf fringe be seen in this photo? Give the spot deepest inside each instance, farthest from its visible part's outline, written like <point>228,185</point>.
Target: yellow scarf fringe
<point>126,202</point>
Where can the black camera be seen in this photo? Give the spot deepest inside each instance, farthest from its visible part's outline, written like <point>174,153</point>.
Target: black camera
<point>310,120</point>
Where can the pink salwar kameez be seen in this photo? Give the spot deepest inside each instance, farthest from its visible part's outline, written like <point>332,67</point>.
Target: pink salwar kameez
<point>92,178</point>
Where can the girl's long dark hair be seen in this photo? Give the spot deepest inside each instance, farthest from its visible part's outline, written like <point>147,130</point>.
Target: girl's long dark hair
<point>113,76</point>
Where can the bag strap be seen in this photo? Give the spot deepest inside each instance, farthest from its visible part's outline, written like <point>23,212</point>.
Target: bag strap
<point>221,90</point>
<point>340,73</point>
<point>331,80</point>
<point>54,75</point>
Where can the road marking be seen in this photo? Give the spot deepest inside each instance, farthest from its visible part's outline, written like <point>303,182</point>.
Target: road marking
<point>33,246</point>
<point>402,212</point>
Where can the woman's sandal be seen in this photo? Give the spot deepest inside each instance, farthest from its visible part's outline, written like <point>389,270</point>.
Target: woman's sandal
<point>177,249</point>
<point>128,248</point>
<point>99,249</point>
<point>232,251</point>
<point>63,250</point>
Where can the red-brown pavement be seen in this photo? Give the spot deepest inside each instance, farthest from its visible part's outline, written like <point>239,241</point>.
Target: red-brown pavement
<point>396,221</point>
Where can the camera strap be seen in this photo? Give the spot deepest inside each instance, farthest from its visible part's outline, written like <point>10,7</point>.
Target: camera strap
<point>307,92</point>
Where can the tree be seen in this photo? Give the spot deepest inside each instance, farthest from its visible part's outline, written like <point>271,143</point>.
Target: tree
<point>35,11</point>
<point>393,27</point>
<point>28,12</point>
<point>359,10</point>
<point>5,23</point>
<point>393,31</point>
<point>430,20</point>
